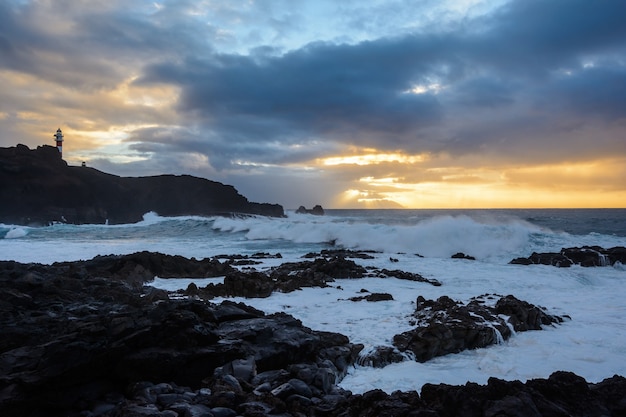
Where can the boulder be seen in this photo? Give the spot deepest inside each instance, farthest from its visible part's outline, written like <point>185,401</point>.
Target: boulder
<point>380,356</point>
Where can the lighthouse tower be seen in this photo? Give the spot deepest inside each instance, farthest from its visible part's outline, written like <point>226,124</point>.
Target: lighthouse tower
<point>59,139</point>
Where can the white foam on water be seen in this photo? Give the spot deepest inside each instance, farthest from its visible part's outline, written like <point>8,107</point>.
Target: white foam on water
<point>174,284</point>
<point>16,233</point>
<point>592,344</point>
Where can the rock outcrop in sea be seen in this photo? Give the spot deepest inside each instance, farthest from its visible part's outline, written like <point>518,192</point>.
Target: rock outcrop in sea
<point>445,326</point>
<point>37,187</point>
<point>586,256</point>
<point>316,210</point>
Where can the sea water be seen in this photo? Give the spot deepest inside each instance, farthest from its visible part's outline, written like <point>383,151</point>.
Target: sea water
<point>591,344</point>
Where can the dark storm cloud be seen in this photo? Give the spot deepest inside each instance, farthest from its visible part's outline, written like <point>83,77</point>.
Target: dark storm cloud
<point>592,92</point>
<point>484,92</point>
<point>319,89</point>
<point>93,46</point>
<point>533,36</point>
<point>358,93</point>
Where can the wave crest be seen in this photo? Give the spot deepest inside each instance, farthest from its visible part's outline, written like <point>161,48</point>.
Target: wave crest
<point>439,236</point>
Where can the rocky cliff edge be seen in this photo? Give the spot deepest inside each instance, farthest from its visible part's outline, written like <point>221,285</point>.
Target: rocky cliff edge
<point>37,187</point>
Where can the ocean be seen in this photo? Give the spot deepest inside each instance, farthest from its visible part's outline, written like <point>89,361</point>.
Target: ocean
<point>592,344</point>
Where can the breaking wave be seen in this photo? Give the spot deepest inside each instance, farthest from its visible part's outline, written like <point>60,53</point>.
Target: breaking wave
<point>439,236</point>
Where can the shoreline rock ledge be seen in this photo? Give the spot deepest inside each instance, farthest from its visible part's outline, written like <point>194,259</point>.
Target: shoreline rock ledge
<point>37,187</point>
<point>89,339</point>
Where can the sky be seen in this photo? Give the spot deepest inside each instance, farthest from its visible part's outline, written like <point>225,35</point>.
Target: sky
<point>351,104</point>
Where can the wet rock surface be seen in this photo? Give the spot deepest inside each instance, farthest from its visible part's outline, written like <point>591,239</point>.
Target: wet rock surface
<point>587,256</point>
<point>76,345</point>
<point>461,255</point>
<point>396,273</point>
<point>343,253</point>
<point>89,339</point>
<point>374,297</point>
<point>287,277</point>
<point>446,326</point>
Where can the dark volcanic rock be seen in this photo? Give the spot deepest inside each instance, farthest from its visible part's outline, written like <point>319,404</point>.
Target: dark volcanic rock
<point>524,316</point>
<point>74,344</point>
<point>396,273</point>
<point>134,269</point>
<point>446,326</point>
<point>380,356</point>
<point>38,187</point>
<point>584,256</point>
<point>373,297</point>
<point>287,277</point>
<point>329,268</point>
<point>562,394</point>
<point>77,342</point>
<point>461,255</point>
<point>343,253</point>
<point>317,210</point>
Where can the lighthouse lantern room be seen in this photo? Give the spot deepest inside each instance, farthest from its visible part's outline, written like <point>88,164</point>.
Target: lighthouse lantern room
<point>59,140</point>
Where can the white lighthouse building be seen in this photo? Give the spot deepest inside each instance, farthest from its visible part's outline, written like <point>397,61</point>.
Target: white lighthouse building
<point>59,140</point>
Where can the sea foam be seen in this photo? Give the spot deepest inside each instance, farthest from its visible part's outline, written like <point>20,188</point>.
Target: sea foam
<point>16,233</point>
<point>439,236</point>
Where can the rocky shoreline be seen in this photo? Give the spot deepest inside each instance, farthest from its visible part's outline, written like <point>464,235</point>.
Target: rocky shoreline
<point>90,338</point>
<point>587,256</point>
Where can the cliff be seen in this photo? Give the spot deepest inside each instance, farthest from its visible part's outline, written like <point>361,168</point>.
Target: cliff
<point>38,187</point>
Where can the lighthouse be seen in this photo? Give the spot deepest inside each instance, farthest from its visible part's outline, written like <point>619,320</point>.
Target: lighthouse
<point>59,140</point>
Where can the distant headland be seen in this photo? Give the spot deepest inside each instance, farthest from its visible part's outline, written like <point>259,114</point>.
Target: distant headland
<point>37,187</point>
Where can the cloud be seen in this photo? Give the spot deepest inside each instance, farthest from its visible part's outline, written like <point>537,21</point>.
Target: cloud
<point>262,92</point>
<point>360,94</point>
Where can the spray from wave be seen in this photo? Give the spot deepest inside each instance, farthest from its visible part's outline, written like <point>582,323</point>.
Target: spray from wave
<point>16,233</point>
<point>438,236</point>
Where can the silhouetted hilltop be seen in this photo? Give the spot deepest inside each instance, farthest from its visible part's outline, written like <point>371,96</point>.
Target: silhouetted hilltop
<point>38,187</point>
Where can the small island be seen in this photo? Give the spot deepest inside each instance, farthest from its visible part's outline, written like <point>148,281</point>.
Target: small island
<point>317,210</point>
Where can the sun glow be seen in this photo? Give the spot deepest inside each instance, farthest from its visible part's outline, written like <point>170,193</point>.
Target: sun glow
<point>373,158</point>
<point>133,94</point>
<point>433,88</point>
<point>492,187</point>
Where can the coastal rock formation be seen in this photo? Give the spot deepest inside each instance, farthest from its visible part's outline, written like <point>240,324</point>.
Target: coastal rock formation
<point>374,297</point>
<point>461,255</point>
<point>344,253</point>
<point>446,326</point>
<point>287,277</point>
<point>38,187</point>
<point>584,256</point>
<point>72,343</point>
<point>87,339</point>
<point>316,210</point>
<point>408,276</point>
